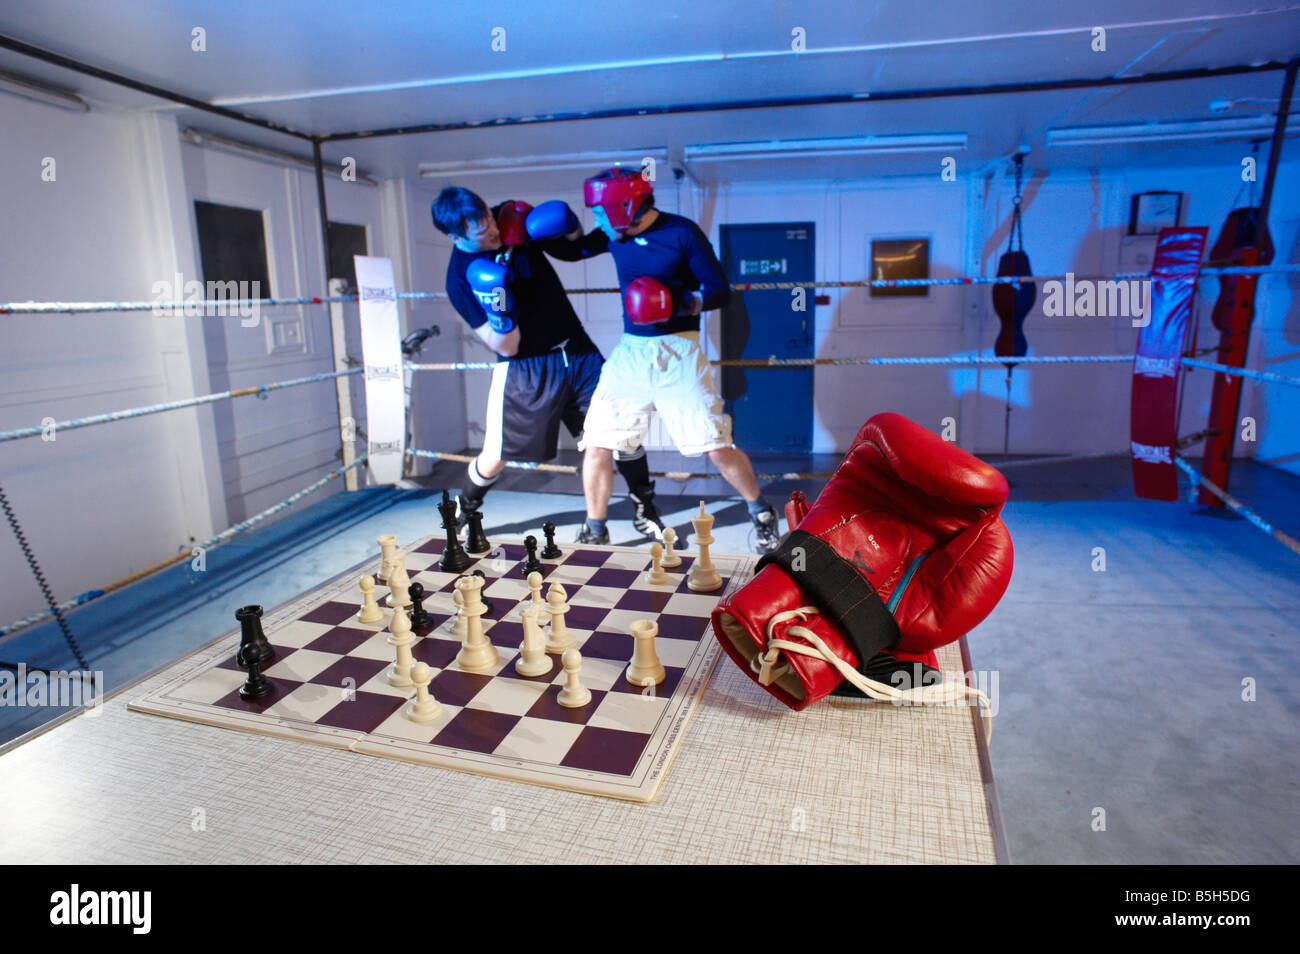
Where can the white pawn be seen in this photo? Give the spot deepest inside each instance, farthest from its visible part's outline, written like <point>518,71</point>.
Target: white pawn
<point>574,695</point>
<point>657,574</point>
<point>401,639</point>
<point>423,708</point>
<point>558,639</point>
<point>535,587</point>
<point>645,669</point>
<point>371,611</point>
<point>532,660</point>
<point>671,558</point>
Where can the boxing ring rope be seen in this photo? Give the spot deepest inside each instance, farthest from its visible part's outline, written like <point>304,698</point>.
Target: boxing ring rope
<point>259,390</point>
<point>212,307</point>
<point>774,362</point>
<point>223,537</point>
<point>188,308</point>
<point>1291,543</point>
<point>1232,372</point>
<point>683,476</point>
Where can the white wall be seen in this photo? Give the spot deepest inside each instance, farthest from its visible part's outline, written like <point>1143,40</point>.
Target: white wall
<point>1072,223</point>
<point>100,502</point>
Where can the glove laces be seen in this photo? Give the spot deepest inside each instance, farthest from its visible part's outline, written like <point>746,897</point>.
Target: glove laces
<point>944,693</point>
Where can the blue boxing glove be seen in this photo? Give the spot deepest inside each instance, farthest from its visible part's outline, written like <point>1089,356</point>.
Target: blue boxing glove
<point>551,220</point>
<point>489,281</point>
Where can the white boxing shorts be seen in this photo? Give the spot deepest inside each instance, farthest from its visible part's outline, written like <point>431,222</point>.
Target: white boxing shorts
<point>665,373</point>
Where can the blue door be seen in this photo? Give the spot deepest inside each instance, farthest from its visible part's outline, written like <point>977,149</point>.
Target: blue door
<point>772,411</point>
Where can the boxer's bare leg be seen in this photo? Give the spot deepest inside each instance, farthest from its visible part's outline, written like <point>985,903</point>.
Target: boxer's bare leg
<point>487,466</point>
<point>597,480</point>
<point>734,465</point>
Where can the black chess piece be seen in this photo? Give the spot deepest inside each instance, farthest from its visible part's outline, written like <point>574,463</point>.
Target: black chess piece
<point>420,617</point>
<point>454,558</point>
<point>476,542</point>
<point>550,551</point>
<point>257,685</point>
<point>532,564</point>
<point>253,643</point>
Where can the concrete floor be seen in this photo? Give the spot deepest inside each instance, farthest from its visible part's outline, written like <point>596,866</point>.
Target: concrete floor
<point>1120,690</point>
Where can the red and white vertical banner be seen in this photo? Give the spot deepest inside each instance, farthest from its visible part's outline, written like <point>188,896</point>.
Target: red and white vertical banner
<point>1153,428</point>
<point>381,350</point>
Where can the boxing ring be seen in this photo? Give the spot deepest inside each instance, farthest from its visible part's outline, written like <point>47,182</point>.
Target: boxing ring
<point>56,609</point>
<point>950,813</point>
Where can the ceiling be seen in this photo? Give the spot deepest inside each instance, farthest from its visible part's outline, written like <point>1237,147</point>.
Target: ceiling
<point>325,68</point>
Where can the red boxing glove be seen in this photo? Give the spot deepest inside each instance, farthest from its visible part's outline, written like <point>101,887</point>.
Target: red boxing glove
<point>904,551</point>
<point>510,222</point>
<point>648,301</point>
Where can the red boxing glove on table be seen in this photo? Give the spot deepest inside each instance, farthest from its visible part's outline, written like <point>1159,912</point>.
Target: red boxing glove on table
<point>648,301</point>
<point>511,219</point>
<point>904,551</point>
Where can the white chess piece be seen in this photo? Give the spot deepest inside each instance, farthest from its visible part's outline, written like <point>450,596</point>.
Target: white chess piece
<point>535,588</point>
<point>532,660</point>
<point>558,639</point>
<point>371,611</point>
<point>574,695</point>
<point>657,574</point>
<point>423,708</point>
<point>476,652</point>
<point>401,638</point>
<point>458,626</point>
<point>645,669</point>
<point>387,544</point>
<point>398,580</point>
<point>671,557</point>
<point>702,577</point>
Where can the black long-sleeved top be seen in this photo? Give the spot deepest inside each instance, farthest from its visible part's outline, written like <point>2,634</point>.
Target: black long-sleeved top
<point>542,309</point>
<point>673,250</point>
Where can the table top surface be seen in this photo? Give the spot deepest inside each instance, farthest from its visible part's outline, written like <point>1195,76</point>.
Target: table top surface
<point>845,780</point>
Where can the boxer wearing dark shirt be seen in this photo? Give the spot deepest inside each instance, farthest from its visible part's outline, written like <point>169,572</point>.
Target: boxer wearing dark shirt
<point>548,367</point>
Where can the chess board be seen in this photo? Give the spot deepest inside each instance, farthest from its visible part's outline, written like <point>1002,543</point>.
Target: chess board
<point>331,687</point>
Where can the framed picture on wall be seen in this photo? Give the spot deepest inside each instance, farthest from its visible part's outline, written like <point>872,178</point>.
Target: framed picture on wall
<point>1149,212</point>
<point>900,258</point>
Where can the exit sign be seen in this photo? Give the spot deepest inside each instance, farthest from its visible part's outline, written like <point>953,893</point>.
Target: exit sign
<point>762,266</point>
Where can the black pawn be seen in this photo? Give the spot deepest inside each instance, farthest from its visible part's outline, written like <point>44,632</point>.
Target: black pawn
<point>550,551</point>
<point>253,643</point>
<point>532,564</point>
<point>476,541</point>
<point>454,558</point>
<point>257,685</point>
<point>419,615</point>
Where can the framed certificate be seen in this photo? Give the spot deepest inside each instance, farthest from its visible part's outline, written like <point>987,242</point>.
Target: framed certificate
<point>1149,212</point>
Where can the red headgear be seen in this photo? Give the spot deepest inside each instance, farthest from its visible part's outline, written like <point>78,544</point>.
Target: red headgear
<point>621,193</point>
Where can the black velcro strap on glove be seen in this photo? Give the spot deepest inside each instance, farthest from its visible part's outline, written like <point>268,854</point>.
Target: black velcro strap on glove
<point>839,590</point>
